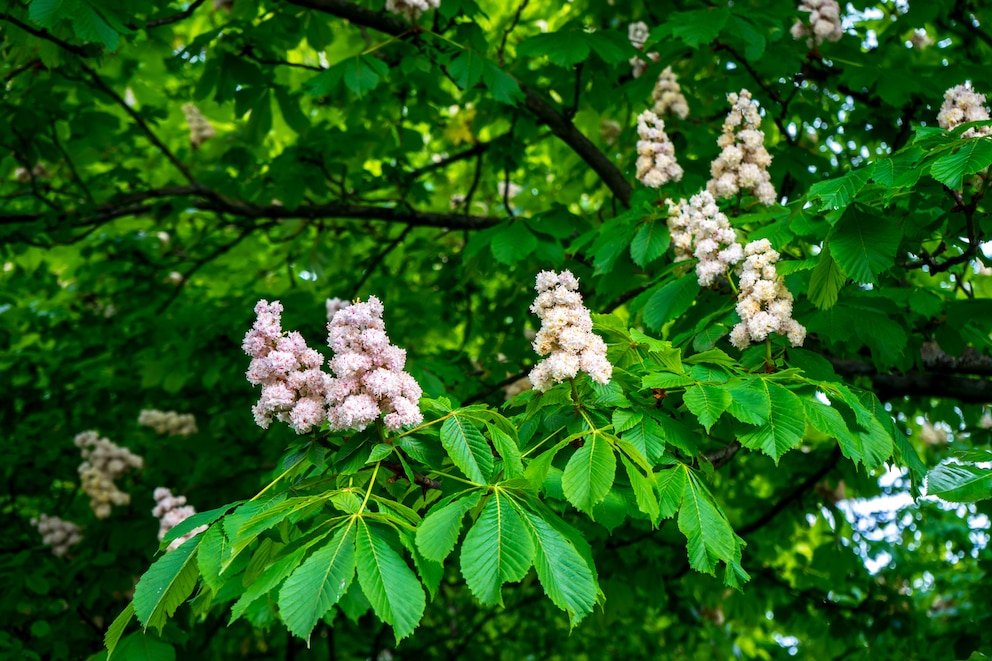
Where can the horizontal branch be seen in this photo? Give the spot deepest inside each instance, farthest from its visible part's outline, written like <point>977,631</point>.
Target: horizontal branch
<point>946,381</point>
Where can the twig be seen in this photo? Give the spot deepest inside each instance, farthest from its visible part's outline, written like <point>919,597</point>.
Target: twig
<point>175,17</point>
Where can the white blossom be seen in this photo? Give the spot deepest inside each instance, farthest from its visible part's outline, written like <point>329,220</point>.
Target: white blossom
<point>104,462</point>
<point>668,96</point>
<point>170,423</point>
<point>200,129</point>
<point>743,163</point>
<point>963,104</point>
<point>823,24</point>
<point>656,164</point>
<point>171,511</point>
<point>699,229</point>
<point>638,34</point>
<point>764,304</point>
<point>411,9</point>
<point>58,534</point>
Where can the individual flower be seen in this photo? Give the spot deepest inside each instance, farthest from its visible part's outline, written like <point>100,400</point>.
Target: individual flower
<point>171,511</point>
<point>200,130</point>
<point>58,534</point>
<point>411,9</point>
<point>335,304</point>
<point>743,163</point>
<point>170,423</point>
<point>823,24</point>
<point>656,164</point>
<point>668,96</point>
<point>294,388</point>
<point>699,229</point>
<point>963,104</point>
<point>638,34</point>
<point>764,303</point>
<point>104,462</point>
<point>566,336</point>
<point>369,380</point>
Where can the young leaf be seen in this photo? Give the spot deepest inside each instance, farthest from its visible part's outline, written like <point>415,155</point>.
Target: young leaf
<point>319,582</point>
<point>438,532</point>
<point>467,448</point>
<point>589,473</point>
<point>496,549</point>
<point>393,590</point>
<point>166,585</point>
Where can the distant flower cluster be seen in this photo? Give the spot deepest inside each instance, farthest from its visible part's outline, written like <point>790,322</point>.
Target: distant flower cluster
<point>962,104</point>
<point>200,129</point>
<point>743,163</point>
<point>411,9</point>
<point>171,511</point>
<point>566,335</point>
<point>699,229</point>
<point>656,164</point>
<point>104,462</point>
<point>823,25</point>
<point>369,379</point>
<point>22,175</point>
<point>920,39</point>
<point>294,388</point>
<point>638,34</point>
<point>58,534</point>
<point>931,435</point>
<point>764,303</point>
<point>171,423</point>
<point>668,96</point>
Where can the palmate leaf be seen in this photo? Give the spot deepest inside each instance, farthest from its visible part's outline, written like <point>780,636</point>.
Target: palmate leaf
<point>438,532</point>
<point>467,448</point>
<point>319,582</point>
<point>864,245</point>
<point>466,69</point>
<point>270,577</point>
<point>589,473</point>
<point>565,575</point>
<point>707,403</point>
<point>786,423</point>
<point>496,549</point>
<point>166,585</point>
<point>960,483</point>
<point>390,586</point>
<point>750,401</point>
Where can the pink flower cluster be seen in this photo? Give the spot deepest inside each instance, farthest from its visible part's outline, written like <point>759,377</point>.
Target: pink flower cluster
<point>57,533</point>
<point>743,163</point>
<point>764,303</point>
<point>699,229</point>
<point>104,462</point>
<point>824,22</point>
<point>656,164</point>
<point>963,104</point>
<point>171,511</point>
<point>638,34</point>
<point>294,388</point>
<point>369,380</point>
<point>335,304</point>
<point>566,334</point>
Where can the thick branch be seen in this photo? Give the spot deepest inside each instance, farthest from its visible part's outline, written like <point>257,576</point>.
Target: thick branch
<point>919,384</point>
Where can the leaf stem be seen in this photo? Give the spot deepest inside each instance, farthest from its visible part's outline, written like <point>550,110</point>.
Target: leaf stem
<point>368,492</point>
<point>284,474</point>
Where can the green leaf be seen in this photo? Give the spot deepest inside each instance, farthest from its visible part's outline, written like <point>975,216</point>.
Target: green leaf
<point>666,381</point>
<point>272,576</point>
<point>785,427</point>
<point>671,488</point>
<point>650,243</point>
<point>864,245</point>
<point>166,585</point>
<point>496,549</point>
<point>45,12</point>
<point>512,241</point>
<point>289,106</point>
<point>671,301</point>
<point>508,449</point>
<point>142,646</point>
<point>90,25</point>
<point>361,74</point>
<point>189,524</point>
<point>589,473</point>
<point>438,532</point>
<point>318,583</point>
<point>644,494</point>
<point>752,36</point>
<point>974,155</point>
<point>707,403</point>
<point>709,535</point>
<point>467,68</point>
<point>565,575</point>
<point>750,402</point>
<point>960,483</point>
<point>699,27</point>
<point>117,628</point>
<point>502,85</point>
<point>390,586</point>
<point>838,193</point>
<point>564,48</point>
<point>644,433</point>
<point>468,448</point>
<point>826,281</point>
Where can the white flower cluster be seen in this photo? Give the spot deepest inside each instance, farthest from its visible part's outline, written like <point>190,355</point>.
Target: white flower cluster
<point>170,423</point>
<point>824,22</point>
<point>963,104</point>
<point>200,129</point>
<point>58,534</point>
<point>335,304</point>
<point>920,39</point>
<point>668,96</point>
<point>171,511</point>
<point>656,164</point>
<point>104,462</point>
<point>411,9</point>
<point>743,163</point>
<point>638,34</point>
<point>985,422</point>
<point>566,335</point>
<point>764,304</point>
<point>369,379</point>
<point>931,435</point>
<point>699,229</point>
<point>22,175</point>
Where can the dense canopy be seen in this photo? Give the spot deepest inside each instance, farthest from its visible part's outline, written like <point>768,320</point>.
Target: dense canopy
<point>279,272</point>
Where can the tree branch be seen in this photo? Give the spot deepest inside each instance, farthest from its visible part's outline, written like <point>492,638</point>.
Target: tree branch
<point>46,35</point>
<point>923,384</point>
<point>175,17</point>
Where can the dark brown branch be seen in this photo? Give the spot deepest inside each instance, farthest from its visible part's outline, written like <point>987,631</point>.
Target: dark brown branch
<point>248,52</point>
<point>46,35</point>
<point>971,360</point>
<point>924,384</point>
<point>175,17</point>
<point>422,480</point>
<point>508,30</point>
<point>722,456</point>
